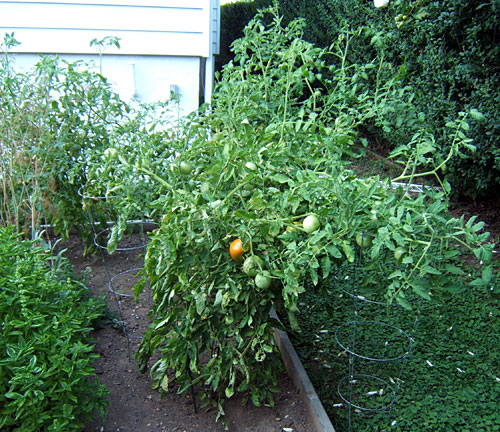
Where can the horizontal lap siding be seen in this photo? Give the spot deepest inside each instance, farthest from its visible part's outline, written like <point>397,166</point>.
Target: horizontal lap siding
<point>168,27</point>
<point>215,27</point>
<point>182,4</point>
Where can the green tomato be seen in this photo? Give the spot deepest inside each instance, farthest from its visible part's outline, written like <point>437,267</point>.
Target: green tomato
<point>263,280</point>
<point>399,253</point>
<point>363,240</point>
<point>310,223</point>
<point>185,168</point>
<point>252,265</point>
<point>251,166</point>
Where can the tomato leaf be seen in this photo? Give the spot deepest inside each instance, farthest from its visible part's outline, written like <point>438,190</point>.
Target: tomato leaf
<point>280,178</point>
<point>403,302</point>
<point>314,276</point>
<point>334,251</point>
<point>245,215</point>
<point>326,265</point>
<point>348,251</point>
<point>453,269</point>
<point>422,290</point>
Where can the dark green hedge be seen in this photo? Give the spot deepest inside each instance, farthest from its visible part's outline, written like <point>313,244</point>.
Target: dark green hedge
<point>448,51</point>
<point>234,17</point>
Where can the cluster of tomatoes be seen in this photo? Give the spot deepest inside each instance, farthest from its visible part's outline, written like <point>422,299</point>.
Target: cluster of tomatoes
<point>253,265</point>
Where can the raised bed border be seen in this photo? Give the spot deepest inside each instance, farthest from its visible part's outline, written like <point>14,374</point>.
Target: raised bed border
<point>300,379</point>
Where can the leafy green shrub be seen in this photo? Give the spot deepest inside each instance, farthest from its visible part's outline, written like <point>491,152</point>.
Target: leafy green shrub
<point>264,165</point>
<point>47,381</point>
<point>447,52</point>
<point>452,54</point>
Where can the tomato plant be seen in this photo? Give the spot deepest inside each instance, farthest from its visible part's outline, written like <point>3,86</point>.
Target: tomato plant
<point>299,213</point>
<point>276,106</point>
<point>53,119</point>
<point>122,175</point>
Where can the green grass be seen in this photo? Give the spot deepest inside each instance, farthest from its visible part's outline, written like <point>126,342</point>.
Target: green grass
<point>450,382</point>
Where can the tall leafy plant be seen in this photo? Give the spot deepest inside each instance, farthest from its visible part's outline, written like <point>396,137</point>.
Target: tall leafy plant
<point>53,118</point>
<point>23,130</point>
<point>260,176</point>
<point>47,378</point>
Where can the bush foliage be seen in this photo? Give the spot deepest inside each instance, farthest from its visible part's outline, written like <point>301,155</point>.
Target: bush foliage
<point>47,381</point>
<point>448,52</point>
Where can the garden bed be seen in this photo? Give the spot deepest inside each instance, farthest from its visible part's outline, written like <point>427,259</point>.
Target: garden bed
<point>449,381</point>
<point>134,405</point>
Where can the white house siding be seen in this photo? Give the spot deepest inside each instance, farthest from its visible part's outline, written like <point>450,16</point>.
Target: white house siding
<point>145,78</point>
<point>214,40</point>
<point>162,42</point>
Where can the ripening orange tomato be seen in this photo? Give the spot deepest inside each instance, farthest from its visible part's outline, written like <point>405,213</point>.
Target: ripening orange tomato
<point>236,250</point>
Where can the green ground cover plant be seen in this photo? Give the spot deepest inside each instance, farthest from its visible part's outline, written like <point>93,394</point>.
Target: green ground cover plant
<point>450,381</point>
<point>47,380</point>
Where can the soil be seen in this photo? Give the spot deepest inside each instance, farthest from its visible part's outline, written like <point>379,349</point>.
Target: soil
<point>134,405</point>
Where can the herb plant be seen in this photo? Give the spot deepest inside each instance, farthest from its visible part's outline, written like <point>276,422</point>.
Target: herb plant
<point>47,380</point>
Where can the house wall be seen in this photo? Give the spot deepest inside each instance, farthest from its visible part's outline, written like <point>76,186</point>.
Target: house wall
<point>161,42</point>
<point>214,37</point>
<point>143,78</point>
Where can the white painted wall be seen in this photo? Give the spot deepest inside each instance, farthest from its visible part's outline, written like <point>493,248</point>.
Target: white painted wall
<point>162,42</point>
<point>143,78</point>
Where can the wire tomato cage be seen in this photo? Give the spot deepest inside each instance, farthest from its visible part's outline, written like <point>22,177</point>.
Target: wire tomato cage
<point>121,285</point>
<point>376,348</point>
<point>130,246</point>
